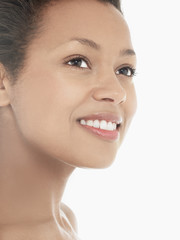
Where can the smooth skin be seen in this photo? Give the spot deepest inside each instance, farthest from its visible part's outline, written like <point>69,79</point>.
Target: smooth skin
<point>41,143</point>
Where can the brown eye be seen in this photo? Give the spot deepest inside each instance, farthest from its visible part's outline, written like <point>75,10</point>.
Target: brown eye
<point>127,71</point>
<point>78,62</point>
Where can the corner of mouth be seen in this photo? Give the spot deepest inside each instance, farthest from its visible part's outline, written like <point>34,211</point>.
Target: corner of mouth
<point>118,125</point>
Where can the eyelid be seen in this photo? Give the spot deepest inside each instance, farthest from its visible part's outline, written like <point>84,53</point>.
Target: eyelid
<point>127,65</point>
<point>132,67</point>
<point>74,56</point>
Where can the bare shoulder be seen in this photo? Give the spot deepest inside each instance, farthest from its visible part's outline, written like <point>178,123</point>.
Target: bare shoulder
<point>70,216</point>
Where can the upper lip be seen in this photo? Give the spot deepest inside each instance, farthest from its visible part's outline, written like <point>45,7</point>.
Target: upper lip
<point>108,116</point>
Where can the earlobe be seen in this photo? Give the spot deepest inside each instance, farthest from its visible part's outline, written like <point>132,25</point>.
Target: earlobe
<point>4,98</point>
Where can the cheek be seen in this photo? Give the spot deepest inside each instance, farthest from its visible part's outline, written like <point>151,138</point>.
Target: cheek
<point>131,101</point>
<point>130,105</point>
<point>129,108</point>
<point>44,109</point>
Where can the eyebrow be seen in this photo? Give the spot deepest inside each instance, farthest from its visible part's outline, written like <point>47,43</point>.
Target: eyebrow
<point>96,46</point>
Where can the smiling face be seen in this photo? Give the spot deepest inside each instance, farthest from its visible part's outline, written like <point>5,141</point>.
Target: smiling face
<point>54,90</point>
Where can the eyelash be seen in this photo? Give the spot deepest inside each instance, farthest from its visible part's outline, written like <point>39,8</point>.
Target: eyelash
<point>79,57</point>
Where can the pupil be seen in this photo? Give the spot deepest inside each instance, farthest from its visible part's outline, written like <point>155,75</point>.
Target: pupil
<point>125,71</point>
<point>78,62</point>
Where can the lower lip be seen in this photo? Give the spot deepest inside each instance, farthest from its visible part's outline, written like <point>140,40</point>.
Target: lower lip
<point>105,134</point>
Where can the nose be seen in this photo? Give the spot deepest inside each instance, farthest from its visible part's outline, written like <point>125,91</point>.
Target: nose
<point>111,90</point>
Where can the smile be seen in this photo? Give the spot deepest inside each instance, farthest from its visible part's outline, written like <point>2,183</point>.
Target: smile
<point>105,130</point>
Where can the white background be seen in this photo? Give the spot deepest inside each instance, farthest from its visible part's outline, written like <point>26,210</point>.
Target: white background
<point>138,196</point>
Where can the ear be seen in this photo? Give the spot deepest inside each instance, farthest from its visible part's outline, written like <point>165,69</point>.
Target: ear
<point>4,98</point>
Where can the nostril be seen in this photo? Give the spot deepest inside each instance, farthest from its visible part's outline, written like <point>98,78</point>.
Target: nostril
<point>108,99</point>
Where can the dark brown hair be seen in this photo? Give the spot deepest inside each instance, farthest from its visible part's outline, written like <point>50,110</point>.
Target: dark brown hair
<point>20,22</point>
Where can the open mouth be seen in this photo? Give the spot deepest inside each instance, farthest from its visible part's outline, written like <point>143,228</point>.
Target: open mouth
<point>100,124</point>
<point>103,129</point>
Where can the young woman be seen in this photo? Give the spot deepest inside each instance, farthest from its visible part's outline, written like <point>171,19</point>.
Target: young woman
<point>66,100</point>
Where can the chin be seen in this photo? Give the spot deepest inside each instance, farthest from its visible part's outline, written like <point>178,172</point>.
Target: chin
<point>100,162</point>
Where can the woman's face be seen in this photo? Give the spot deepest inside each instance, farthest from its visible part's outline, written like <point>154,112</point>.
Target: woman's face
<point>53,91</point>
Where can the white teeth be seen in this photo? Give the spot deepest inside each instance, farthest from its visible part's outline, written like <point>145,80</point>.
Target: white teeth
<point>103,125</point>
<point>110,126</point>
<point>114,126</point>
<point>99,124</point>
<point>96,124</point>
<point>90,123</point>
<point>83,122</point>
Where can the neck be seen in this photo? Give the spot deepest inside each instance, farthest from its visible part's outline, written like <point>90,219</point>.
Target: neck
<point>31,186</point>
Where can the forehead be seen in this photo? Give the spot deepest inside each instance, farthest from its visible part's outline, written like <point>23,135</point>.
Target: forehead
<point>88,19</point>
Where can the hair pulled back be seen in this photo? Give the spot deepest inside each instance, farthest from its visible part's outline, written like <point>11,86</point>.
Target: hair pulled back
<point>20,22</point>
